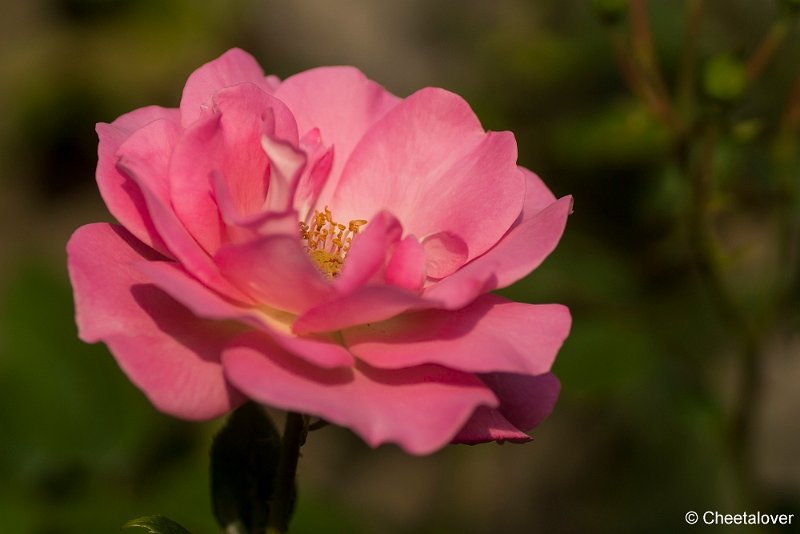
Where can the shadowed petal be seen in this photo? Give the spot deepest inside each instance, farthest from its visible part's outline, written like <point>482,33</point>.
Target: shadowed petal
<point>419,408</point>
<point>173,280</point>
<point>366,304</point>
<point>119,192</point>
<point>277,271</point>
<point>491,334</point>
<point>143,159</point>
<point>525,401</point>
<point>488,424</point>
<point>169,353</point>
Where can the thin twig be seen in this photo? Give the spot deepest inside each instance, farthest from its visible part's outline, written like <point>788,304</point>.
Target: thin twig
<point>704,249</point>
<point>644,52</point>
<point>686,71</point>
<point>766,49</point>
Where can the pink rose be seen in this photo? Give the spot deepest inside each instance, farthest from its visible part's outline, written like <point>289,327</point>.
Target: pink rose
<point>323,246</point>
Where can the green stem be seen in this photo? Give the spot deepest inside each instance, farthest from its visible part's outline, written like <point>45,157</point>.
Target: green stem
<point>283,497</point>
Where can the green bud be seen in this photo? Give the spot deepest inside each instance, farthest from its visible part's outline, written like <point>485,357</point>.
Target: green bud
<point>724,78</point>
<point>610,11</point>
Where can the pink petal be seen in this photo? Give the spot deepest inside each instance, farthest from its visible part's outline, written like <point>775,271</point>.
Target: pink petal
<point>366,304</point>
<point>525,401</point>
<point>227,143</point>
<point>286,167</point>
<point>272,83</point>
<point>491,334</point>
<point>430,162</point>
<point>170,354</point>
<point>316,172</point>
<point>144,157</point>
<point>121,195</point>
<point>445,253</point>
<point>419,408</point>
<point>194,164</point>
<point>277,271</point>
<point>232,68</point>
<point>368,253</point>
<point>519,252</point>
<point>173,280</point>
<point>406,267</point>
<point>342,103</point>
<point>537,195</point>
<point>488,424</point>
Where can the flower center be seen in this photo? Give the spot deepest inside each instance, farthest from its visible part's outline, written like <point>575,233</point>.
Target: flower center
<point>327,242</point>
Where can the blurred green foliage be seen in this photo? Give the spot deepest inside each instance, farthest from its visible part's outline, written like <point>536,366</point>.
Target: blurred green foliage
<point>649,372</point>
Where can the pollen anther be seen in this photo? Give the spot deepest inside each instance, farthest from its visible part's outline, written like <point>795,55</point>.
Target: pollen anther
<point>327,241</point>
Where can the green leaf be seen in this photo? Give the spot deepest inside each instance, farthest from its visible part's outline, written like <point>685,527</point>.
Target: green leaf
<point>156,524</point>
<point>244,462</point>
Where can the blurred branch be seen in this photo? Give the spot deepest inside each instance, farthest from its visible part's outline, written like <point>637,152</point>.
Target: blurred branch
<point>686,71</point>
<point>646,62</point>
<point>700,173</point>
<point>789,201</point>
<point>767,48</point>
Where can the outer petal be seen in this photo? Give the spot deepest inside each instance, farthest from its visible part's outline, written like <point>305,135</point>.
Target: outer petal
<point>537,195</point>
<point>233,67</point>
<point>430,162</point>
<point>491,334</point>
<point>525,401</point>
<point>121,195</point>
<point>342,103</point>
<point>163,348</point>
<point>419,408</point>
<point>488,424</point>
<point>173,280</point>
<point>520,251</point>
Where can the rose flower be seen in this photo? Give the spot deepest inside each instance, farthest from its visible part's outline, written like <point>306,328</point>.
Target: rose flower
<point>320,245</point>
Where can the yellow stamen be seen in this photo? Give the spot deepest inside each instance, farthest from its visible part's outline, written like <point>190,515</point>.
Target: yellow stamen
<point>327,242</point>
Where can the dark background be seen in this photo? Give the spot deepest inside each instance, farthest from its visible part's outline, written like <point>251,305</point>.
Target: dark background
<point>651,372</point>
